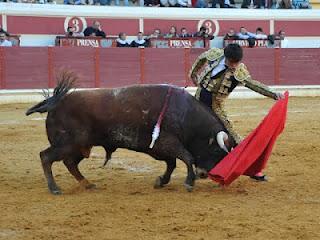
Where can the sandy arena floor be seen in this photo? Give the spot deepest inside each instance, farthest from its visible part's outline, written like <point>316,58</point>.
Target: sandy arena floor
<point>125,205</point>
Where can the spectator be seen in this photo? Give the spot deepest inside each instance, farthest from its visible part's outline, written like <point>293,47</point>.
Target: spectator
<point>231,35</point>
<point>244,34</point>
<point>201,4</point>
<point>108,2</point>
<point>71,32</point>
<point>172,33</point>
<point>268,3</point>
<point>3,40</point>
<point>251,4</point>
<point>79,2</point>
<point>122,40</point>
<point>3,31</point>
<point>168,3</point>
<point>284,4</point>
<point>301,4</point>
<point>139,42</point>
<point>183,3</point>
<point>95,30</point>
<point>282,36</point>
<point>152,3</point>
<point>184,33</point>
<point>223,3</point>
<point>203,32</point>
<point>229,4</point>
<point>260,34</point>
<point>156,33</point>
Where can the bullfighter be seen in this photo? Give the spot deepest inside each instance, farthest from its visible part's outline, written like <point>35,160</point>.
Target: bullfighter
<point>216,73</point>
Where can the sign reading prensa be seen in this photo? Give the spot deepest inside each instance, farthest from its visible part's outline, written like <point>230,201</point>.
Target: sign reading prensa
<point>180,43</point>
<point>260,43</point>
<point>85,41</point>
<point>79,42</point>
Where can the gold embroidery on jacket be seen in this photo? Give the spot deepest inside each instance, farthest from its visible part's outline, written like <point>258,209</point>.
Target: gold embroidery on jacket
<point>241,73</point>
<point>205,63</point>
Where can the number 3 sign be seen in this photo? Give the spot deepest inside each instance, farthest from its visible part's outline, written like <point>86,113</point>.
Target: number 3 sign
<point>211,25</point>
<point>79,23</point>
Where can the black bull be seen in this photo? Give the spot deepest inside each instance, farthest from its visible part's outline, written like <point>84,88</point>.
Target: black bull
<point>125,118</point>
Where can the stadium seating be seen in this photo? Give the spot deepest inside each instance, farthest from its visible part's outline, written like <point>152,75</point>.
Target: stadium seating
<point>315,4</point>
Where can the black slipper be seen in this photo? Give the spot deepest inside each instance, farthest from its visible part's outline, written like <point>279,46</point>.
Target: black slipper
<point>262,178</point>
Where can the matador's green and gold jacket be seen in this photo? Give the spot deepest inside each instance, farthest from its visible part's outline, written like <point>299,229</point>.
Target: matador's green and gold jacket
<point>223,85</point>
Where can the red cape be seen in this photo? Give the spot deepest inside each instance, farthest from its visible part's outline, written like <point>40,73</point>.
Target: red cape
<point>252,154</point>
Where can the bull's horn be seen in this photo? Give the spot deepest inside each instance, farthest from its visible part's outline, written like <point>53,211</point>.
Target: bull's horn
<point>221,137</point>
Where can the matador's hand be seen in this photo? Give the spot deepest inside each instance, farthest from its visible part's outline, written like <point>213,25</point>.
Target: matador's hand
<point>279,96</point>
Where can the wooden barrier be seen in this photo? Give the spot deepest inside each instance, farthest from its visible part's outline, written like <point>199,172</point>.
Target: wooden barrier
<point>37,67</point>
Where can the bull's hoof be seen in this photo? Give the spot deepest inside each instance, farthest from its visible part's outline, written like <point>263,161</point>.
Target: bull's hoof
<point>188,187</point>
<point>56,191</point>
<point>158,183</point>
<point>91,186</point>
<point>87,185</point>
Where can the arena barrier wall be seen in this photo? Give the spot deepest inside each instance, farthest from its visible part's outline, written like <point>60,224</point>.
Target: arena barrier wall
<point>37,67</point>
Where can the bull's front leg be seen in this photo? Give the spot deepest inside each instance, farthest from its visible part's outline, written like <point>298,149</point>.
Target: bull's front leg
<point>109,150</point>
<point>187,158</point>
<point>169,145</point>
<point>165,178</point>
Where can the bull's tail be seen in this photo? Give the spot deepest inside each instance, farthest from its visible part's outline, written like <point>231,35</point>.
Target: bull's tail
<point>65,83</point>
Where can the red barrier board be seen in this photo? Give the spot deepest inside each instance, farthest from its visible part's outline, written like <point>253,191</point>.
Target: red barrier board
<point>299,66</point>
<point>36,67</point>
<point>25,68</point>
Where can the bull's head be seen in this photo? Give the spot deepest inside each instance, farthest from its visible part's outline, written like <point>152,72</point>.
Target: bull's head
<point>210,150</point>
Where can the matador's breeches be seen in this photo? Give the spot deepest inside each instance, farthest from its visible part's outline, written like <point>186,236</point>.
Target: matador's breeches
<point>217,105</point>
<point>218,108</point>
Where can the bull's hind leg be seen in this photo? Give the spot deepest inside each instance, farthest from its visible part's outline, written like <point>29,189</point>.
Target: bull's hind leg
<point>72,165</point>
<point>165,178</point>
<point>49,156</point>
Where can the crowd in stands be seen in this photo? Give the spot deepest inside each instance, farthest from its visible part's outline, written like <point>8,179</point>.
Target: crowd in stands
<point>141,41</point>
<point>278,4</point>
<point>243,34</point>
<point>144,41</point>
